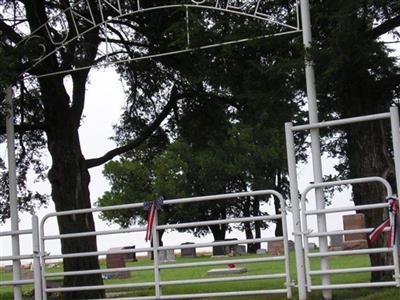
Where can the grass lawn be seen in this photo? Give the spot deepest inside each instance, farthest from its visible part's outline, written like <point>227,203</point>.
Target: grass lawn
<point>253,269</point>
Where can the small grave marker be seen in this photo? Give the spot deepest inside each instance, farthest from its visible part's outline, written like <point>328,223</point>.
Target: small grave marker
<point>275,248</point>
<point>261,251</point>
<point>116,260</point>
<point>354,240</point>
<point>336,242</point>
<point>167,255</point>
<point>188,252</point>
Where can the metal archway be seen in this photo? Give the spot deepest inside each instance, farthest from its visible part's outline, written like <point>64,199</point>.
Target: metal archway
<point>248,8</point>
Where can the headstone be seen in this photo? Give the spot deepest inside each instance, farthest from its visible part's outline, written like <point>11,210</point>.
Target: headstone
<point>224,250</point>
<point>356,221</point>
<point>335,242</point>
<point>27,275</point>
<point>227,271</point>
<point>240,249</point>
<point>8,268</point>
<point>356,244</point>
<point>275,248</point>
<point>291,244</point>
<point>54,283</point>
<point>354,240</point>
<point>130,256</point>
<point>188,252</point>
<point>312,246</point>
<point>261,251</point>
<point>116,260</point>
<point>166,255</point>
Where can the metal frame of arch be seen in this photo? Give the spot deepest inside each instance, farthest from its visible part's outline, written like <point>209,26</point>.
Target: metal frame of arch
<point>249,8</point>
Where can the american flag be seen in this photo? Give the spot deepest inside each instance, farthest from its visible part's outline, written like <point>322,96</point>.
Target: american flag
<point>152,207</point>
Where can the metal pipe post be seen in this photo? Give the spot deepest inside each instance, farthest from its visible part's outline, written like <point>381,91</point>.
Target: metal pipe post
<point>294,197</point>
<point>36,258</point>
<point>395,126</point>
<point>315,140</point>
<point>156,258</point>
<point>286,246</point>
<point>13,192</point>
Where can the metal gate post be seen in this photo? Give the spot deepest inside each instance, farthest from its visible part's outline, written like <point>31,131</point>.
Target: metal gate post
<point>42,259</point>
<point>315,140</point>
<point>395,126</point>
<point>13,192</point>
<point>156,259</point>
<point>294,197</point>
<point>37,277</point>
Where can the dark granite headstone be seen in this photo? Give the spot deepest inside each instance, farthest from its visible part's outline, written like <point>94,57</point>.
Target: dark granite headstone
<point>223,250</point>
<point>188,252</point>
<point>130,256</point>
<point>336,242</point>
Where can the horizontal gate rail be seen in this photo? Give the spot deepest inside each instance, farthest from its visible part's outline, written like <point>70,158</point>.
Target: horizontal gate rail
<point>222,262</point>
<point>350,252</point>
<point>16,282</point>
<point>16,232</point>
<point>342,232</point>
<point>223,279</point>
<point>225,294</point>
<point>345,121</point>
<point>343,209</point>
<point>352,270</point>
<point>356,285</point>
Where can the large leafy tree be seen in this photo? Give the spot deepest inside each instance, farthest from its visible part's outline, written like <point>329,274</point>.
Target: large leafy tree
<point>51,118</point>
<point>219,90</point>
<point>227,135</point>
<point>357,76</point>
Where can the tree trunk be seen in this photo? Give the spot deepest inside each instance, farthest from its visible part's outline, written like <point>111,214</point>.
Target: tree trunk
<point>251,248</point>
<point>218,231</point>
<point>368,156</point>
<point>277,205</point>
<point>69,178</point>
<point>160,243</point>
<point>257,224</point>
<point>278,222</point>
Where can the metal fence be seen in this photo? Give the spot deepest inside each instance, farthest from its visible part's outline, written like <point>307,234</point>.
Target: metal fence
<point>307,233</point>
<point>300,232</point>
<point>158,267</point>
<point>303,274</point>
<point>17,282</point>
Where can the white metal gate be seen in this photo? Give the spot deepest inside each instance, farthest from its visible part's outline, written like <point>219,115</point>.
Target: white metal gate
<point>300,214</point>
<point>307,233</point>
<point>157,283</point>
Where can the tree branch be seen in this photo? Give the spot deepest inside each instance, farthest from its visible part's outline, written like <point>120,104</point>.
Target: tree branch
<point>141,138</point>
<point>9,32</point>
<point>385,27</point>
<point>24,128</point>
